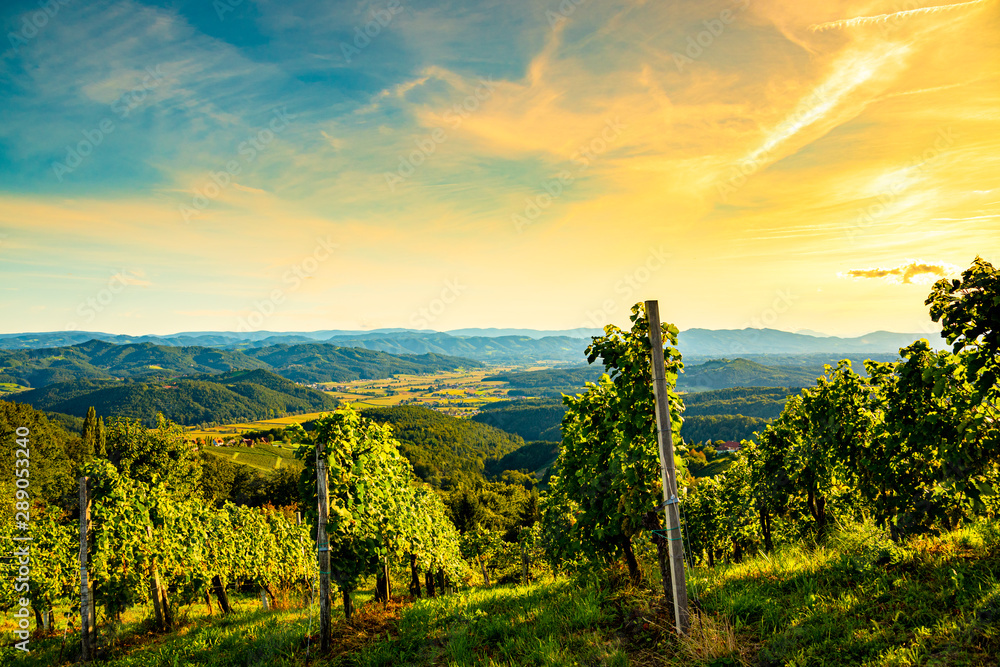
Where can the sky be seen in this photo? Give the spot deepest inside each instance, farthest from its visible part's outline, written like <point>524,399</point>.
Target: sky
<point>306,165</point>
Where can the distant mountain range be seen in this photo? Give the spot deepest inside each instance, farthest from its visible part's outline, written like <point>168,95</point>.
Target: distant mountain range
<point>503,346</point>
<point>715,374</point>
<point>743,342</point>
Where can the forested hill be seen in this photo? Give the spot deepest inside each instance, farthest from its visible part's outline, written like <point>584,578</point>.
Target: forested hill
<point>717,374</point>
<point>97,360</point>
<point>445,451</point>
<point>54,452</point>
<point>322,362</point>
<point>225,398</point>
<point>721,414</point>
<point>727,373</point>
<point>764,402</point>
<point>309,362</point>
<point>532,419</point>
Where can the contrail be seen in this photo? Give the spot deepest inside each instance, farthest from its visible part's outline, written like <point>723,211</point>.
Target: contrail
<point>881,18</point>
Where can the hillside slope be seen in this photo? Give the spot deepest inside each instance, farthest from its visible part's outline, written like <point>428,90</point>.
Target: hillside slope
<point>230,397</point>
<point>307,362</point>
<point>445,450</point>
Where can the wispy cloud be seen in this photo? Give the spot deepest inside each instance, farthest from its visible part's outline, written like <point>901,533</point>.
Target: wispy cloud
<point>893,16</point>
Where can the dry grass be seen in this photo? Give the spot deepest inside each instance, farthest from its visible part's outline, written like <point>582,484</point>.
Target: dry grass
<point>711,637</point>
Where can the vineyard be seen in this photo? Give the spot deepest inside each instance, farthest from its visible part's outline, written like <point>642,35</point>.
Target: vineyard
<point>860,523</point>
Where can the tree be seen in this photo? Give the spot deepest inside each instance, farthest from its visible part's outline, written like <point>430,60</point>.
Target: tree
<point>811,448</point>
<point>89,434</point>
<point>969,312</point>
<point>933,458</point>
<point>102,439</point>
<point>146,455</point>
<point>609,466</point>
<point>295,433</point>
<point>374,516</point>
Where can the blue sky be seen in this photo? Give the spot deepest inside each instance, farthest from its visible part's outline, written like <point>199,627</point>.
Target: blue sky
<point>311,165</point>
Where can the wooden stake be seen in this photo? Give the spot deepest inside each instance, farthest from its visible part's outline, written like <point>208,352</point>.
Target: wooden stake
<point>84,580</point>
<point>323,549</point>
<point>665,439</point>
<point>154,587</point>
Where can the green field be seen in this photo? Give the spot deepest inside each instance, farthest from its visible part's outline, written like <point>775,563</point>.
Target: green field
<point>231,430</point>
<point>458,393</point>
<point>261,457</point>
<point>10,388</point>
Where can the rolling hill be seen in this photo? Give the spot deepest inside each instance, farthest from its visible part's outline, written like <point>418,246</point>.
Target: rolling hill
<point>229,397</point>
<point>716,374</point>
<point>721,414</point>
<point>726,373</point>
<point>535,419</point>
<point>307,362</point>
<point>490,349</point>
<point>444,450</point>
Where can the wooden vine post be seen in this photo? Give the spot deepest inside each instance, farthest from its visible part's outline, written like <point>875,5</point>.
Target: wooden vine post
<point>85,600</point>
<point>323,548</point>
<point>665,440</point>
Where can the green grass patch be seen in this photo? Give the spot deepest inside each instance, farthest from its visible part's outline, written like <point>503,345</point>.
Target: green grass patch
<point>860,599</point>
<point>540,624</point>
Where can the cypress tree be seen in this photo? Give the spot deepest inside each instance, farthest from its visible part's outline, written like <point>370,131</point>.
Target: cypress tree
<point>89,434</point>
<point>102,439</point>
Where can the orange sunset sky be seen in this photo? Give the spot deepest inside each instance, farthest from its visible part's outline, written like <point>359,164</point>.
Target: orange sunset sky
<point>543,164</point>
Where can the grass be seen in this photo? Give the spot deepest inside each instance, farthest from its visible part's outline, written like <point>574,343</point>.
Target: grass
<point>857,599</point>
<point>862,600</point>
<point>248,636</point>
<point>538,624</point>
